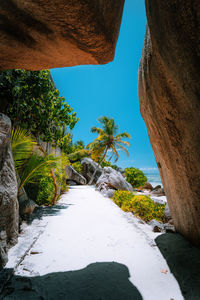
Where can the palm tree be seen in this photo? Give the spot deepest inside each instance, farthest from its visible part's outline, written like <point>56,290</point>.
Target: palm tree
<point>107,140</point>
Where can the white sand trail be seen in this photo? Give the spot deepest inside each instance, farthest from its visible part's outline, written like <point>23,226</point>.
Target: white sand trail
<point>90,229</point>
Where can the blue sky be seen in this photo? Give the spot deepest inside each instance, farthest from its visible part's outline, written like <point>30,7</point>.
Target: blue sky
<point>111,90</point>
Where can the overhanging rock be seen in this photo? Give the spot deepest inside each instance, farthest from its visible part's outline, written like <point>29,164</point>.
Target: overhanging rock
<point>48,34</point>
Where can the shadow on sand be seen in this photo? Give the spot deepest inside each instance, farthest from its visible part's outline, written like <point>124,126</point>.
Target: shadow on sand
<point>184,262</point>
<point>98,281</point>
<point>43,211</point>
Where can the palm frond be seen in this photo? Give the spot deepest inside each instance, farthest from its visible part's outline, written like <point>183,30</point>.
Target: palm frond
<point>96,130</point>
<point>123,148</point>
<point>36,166</point>
<point>123,142</point>
<point>22,145</point>
<point>116,153</point>
<point>123,135</point>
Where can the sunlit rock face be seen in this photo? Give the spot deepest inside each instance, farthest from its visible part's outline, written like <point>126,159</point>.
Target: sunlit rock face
<point>8,192</point>
<point>47,34</point>
<point>169,92</point>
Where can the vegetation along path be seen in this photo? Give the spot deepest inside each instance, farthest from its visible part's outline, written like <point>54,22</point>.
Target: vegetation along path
<point>87,248</point>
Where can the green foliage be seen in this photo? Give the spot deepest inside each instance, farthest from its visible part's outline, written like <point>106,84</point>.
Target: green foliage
<point>67,145</point>
<point>115,167</point>
<point>135,177</point>
<point>119,197</point>
<point>22,146</point>
<point>61,176</point>
<point>78,155</point>
<point>46,190</point>
<point>77,166</point>
<point>35,167</point>
<point>139,205</point>
<point>34,104</point>
<point>105,163</point>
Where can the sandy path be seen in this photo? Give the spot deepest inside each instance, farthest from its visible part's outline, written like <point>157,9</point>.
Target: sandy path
<point>91,229</point>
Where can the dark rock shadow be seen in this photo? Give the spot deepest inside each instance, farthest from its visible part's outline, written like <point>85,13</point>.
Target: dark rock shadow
<point>98,281</point>
<point>184,262</point>
<point>42,211</point>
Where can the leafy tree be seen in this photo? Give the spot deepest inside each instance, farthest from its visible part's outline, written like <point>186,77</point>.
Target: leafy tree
<point>34,103</point>
<point>135,177</point>
<point>107,139</point>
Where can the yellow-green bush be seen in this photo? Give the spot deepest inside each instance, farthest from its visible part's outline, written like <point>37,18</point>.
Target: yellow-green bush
<point>139,205</point>
<point>77,166</point>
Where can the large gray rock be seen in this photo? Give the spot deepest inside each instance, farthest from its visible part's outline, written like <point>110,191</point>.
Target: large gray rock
<point>73,175</point>
<point>147,186</point>
<point>9,214</point>
<point>26,205</point>
<point>88,169</point>
<point>112,180</point>
<point>158,192</point>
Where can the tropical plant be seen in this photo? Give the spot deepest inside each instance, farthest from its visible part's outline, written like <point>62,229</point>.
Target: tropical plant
<point>77,166</point>
<point>46,191</point>
<point>22,146</point>
<point>78,155</point>
<point>105,163</point>
<point>35,167</point>
<point>135,177</point>
<point>107,140</point>
<point>33,164</point>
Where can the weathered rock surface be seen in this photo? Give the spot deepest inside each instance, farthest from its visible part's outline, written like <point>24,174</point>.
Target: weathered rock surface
<point>160,227</point>
<point>167,212</point>
<point>88,168</point>
<point>8,192</point>
<point>26,205</point>
<point>169,92</point>
<point>71,182</point>
<point>156,226</point>
<point>112,180</point>
<point>41,35</point>
<point>157,187</point>
<point>73,175</point>
<point>158,192</point>
<point>147,186</point>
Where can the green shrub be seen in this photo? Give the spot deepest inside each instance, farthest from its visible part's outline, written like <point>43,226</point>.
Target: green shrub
<point>119,197</point>
<point>105,163</point>
<point>139,205</point>
<point>77,166</point>
<point>135,177</point>
<point>60,173</point>
<point>78,155</point>
<point>46,190</point>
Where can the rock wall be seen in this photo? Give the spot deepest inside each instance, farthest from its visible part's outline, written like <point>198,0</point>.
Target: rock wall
<point>169,92</point>
<point>8,192</point>
<point>47,34</point>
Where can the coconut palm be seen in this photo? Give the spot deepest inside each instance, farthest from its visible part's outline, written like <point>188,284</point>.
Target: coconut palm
<point>108,141</point>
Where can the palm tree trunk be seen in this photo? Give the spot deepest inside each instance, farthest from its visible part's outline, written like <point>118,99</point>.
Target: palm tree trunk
<point>92,178</point>
<point>53,202</point>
